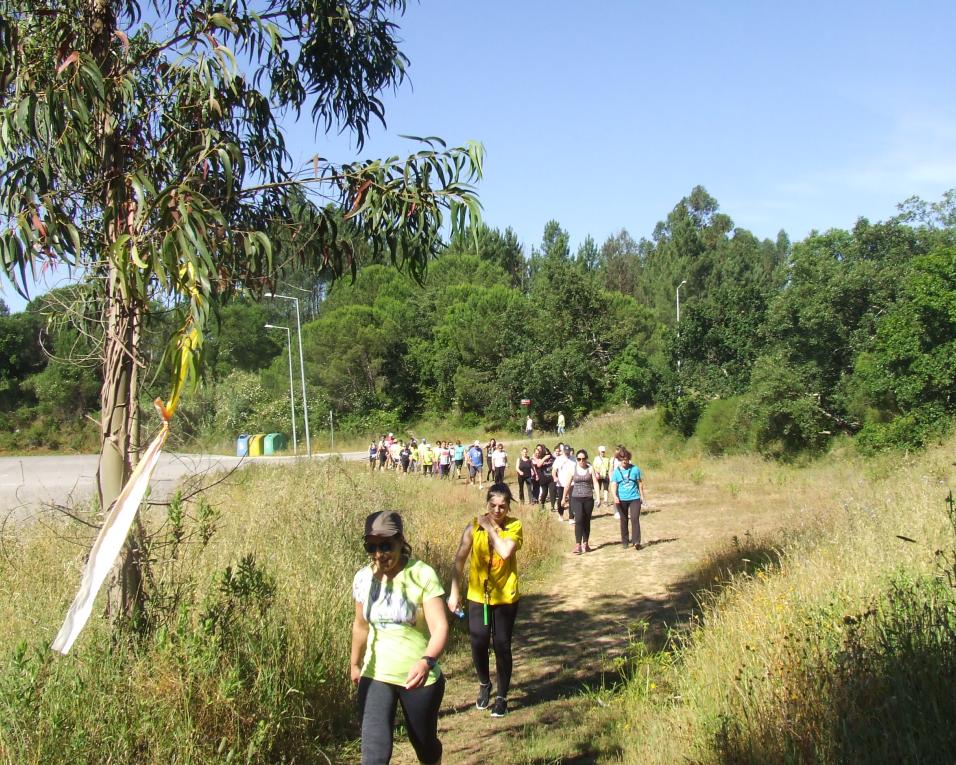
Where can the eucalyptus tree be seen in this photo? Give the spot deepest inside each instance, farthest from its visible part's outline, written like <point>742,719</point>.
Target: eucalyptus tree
<point>141,145</point>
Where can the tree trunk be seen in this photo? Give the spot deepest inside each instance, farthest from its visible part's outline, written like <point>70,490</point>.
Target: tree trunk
<point>118,397</point>
<point>118,419</point>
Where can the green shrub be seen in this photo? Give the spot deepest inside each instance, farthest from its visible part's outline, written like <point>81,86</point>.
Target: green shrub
<point>680,412</point>
<point>783,404</point>
<point>912,430</point>
<point>724,428</point>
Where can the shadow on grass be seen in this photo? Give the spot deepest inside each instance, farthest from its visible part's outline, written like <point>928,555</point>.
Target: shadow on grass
<point>580,654</point>
<point>744,557</point>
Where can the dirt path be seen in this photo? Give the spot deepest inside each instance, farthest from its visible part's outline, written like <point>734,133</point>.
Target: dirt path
<point>574,624</point>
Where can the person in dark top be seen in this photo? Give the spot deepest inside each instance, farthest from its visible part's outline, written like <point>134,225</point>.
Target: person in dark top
<point>523,469</point>
<point>543,462</point>
<point>489,448</point>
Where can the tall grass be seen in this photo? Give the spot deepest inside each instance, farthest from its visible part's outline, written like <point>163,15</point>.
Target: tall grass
<point>830,644</point>
<point>246,648</point>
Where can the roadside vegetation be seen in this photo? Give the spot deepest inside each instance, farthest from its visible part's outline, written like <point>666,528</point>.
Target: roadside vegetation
<point>829,641</point>
<point>244,654</point>
<point>825,636</point>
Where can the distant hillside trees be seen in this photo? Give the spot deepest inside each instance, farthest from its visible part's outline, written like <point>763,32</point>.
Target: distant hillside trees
<point>781,346</point>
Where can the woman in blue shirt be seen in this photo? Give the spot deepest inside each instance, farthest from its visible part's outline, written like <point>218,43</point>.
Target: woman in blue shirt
<point>627,492</point>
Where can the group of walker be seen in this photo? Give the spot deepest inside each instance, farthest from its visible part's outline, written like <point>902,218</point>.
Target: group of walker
<point>578,485</point>
<point>443,459</point>
<point>401,625</point>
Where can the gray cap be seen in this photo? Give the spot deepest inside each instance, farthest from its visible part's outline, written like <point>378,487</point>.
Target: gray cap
<point>384,523</point>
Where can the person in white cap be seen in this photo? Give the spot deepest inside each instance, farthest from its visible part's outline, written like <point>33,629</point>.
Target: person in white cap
<point>602,469</point>
<point>476,457</point>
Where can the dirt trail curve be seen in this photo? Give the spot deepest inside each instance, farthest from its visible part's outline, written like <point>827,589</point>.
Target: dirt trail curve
<point>571,626</point>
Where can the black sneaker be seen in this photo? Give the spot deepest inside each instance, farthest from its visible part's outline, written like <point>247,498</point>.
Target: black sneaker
<point>484,696</point>
<point>500,709</point>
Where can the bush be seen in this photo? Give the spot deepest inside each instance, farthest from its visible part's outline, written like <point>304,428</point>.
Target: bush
<point>783,404</point>
<point>681,411</point>
<point>912,430</point>
<point>724,428</point>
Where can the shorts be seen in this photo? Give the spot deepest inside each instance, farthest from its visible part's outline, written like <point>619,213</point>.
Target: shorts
<point>474,470</point>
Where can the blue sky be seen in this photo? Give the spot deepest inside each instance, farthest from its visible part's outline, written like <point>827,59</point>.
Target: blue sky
<point>795,116</point>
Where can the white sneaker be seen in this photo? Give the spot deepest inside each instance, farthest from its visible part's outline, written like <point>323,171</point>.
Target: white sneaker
<point>571,521</point>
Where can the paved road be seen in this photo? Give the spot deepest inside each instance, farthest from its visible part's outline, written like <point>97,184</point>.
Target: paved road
<point>27,483</point>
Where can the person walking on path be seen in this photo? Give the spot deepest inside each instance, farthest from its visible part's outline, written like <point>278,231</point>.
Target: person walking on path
<point>499,462</point>
<point>615,464</point>
<point>428,460</point>
<point>444,459</point>
<point>579,495</point>
<point>627,490</point>
<point>488,546</point>
<point>602,469</point>
<point>563,466</point>
<point>398,633</point>
<point>560,423</point>
<point>523,470</point>
<point>489,450</point>
<point>459,457</point>
<point>543,463</point>
<point>475,464</point>
<point>528,427</point>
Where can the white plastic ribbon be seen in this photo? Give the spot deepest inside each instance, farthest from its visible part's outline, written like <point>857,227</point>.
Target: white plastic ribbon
<point>109,543</point>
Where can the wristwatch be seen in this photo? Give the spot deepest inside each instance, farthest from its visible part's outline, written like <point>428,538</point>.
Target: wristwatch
<point>431,662</point>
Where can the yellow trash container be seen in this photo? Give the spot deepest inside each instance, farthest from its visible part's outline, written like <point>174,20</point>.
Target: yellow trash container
<point>256,445</point>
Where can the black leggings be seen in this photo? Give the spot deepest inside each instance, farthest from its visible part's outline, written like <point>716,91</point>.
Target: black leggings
<point>581,510</point>
<point>502,618</point>
<point>544,489</point>
<point>377,702</point>
<point>630,509</point>
<point>524,481</point>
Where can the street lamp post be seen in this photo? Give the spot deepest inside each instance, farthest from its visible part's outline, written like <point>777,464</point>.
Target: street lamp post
<point>305,398</point>
<point>677,294</point>
<point>288,333</point>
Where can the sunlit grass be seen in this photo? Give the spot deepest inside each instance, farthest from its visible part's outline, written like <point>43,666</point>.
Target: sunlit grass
<point>758,676</point>
<point>251,666</point>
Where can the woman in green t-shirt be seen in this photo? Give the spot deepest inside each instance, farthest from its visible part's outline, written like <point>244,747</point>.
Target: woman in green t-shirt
<point>398,633</point>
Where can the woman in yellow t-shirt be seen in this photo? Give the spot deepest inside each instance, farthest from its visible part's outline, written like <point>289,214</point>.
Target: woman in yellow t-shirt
<point>489,545</point>
<point>398,633</point>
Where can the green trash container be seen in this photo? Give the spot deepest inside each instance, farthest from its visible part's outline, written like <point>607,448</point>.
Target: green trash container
<point>255,444</point>
<point>275,442</point>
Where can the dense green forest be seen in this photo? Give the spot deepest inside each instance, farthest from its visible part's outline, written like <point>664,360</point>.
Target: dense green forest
<point>781,346</point>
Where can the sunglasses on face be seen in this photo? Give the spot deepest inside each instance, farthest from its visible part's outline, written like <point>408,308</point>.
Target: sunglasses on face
<point>383,547</point>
